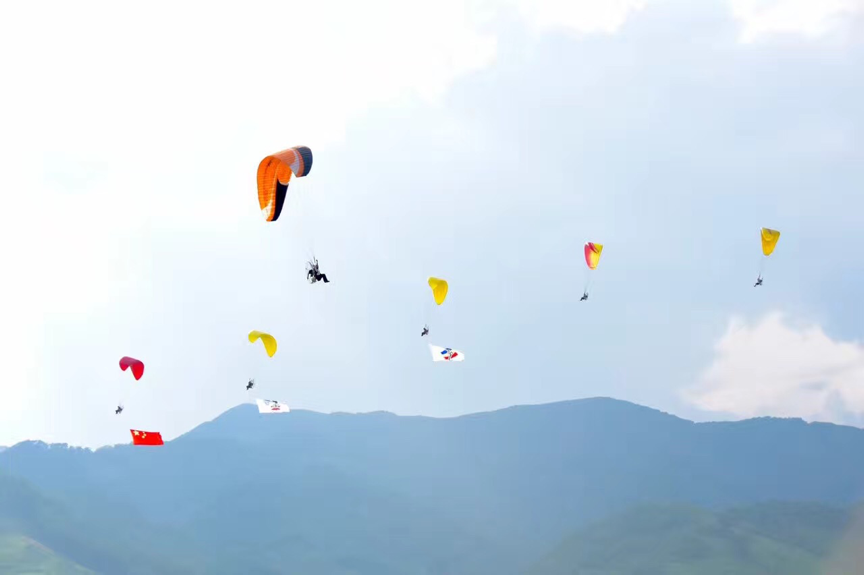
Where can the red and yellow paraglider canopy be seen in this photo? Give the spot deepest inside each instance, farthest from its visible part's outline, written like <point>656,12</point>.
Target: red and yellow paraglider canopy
<point>592,254</point>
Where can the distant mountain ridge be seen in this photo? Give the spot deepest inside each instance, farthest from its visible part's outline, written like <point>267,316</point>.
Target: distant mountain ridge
<point>482,493</point>
<point>242,411</point>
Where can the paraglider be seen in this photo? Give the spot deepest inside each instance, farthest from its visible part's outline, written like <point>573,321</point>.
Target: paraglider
<point>268,340</point>
<point>769,239</point>
<point>439,289</point>
<point>136,365</point>
<point>592,258</point>
<point>250,384</point>
<point>274,174</point>
<point>592,254</point>
<point>313,274</point>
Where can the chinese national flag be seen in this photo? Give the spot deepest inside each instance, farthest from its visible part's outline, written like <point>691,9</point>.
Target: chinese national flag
<point>146,437</point>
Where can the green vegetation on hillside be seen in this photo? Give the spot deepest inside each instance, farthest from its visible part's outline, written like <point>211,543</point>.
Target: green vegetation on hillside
<point>492,493</point>
<point>95,540</point>
<point>770,538</point>
<point>21,555</point>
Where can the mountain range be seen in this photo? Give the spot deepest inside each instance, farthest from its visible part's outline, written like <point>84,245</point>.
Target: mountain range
<point>498,492</point>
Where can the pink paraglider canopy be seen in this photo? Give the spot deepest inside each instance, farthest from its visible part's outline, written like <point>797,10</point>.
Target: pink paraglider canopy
<point>136,364</point>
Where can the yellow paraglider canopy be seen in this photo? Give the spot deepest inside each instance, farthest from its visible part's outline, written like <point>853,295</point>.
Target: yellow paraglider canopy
<point>268,340</point>
<point>769,240</point>
<point>439,289</point>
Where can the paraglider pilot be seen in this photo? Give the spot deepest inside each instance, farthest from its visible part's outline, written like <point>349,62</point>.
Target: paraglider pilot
<point>584,296</point>
<point>250,385</point>
<point>758,281</point>
<point>314,274</point>
<point>119,410</point>
<point>425,331</point>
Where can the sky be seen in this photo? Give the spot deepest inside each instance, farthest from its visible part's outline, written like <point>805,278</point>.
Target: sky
<point>480,141</point>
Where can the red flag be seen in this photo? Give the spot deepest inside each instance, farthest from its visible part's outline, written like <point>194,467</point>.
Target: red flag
<point>146,437</point>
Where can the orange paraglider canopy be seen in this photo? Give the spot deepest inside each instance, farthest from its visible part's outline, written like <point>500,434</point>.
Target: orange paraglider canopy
<point>274,173</point>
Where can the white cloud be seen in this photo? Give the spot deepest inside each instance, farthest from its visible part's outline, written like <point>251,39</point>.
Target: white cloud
<point>775,368</point>
<point>130,136</point>
<point>129,127</point>
<point>126,127</point>
<point>757,18</point>
<point>585,16</point>
<point>171,73</point>
<point>810,18</point>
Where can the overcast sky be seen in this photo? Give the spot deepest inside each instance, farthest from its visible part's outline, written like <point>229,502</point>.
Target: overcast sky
<point>479,141</point>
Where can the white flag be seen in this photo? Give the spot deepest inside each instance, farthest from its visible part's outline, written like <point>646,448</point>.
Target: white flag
<point>445,353</point>
<point>271,406</point>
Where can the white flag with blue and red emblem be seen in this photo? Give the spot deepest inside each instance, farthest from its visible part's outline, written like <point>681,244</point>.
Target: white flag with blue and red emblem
<point>445,353</point>
<point>271,406</point>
